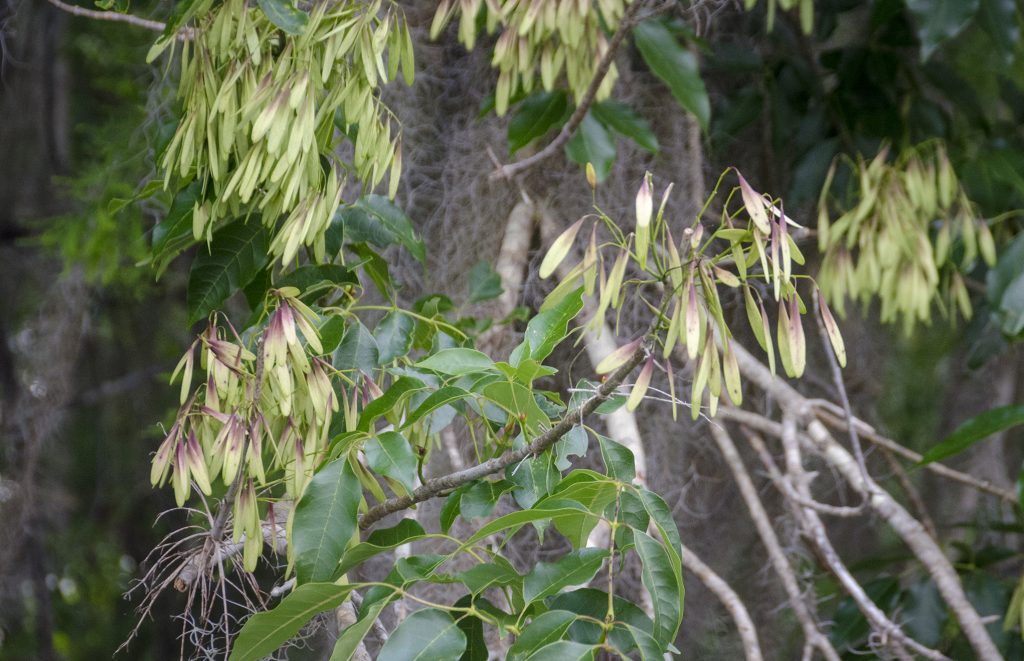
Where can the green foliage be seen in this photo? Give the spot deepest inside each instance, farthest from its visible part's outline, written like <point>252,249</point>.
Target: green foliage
<point>676,66</point>
<point>975,429</point>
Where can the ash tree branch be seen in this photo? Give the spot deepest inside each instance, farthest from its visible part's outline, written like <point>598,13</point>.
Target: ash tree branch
<point>625,25</point>
<point>439,485</point>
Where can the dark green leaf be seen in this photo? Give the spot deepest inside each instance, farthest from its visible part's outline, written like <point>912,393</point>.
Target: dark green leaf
<point>618,459</point>
<point>384,404</point>
<point>621,118</point>
<point>284,15</point>
<point>535,117</point>
<point>999,20</point>
<point>676,66</point>
<point>331,332</point>
<point>357,351</point>
<point>378,220</point>
<point>426,635</point>
<point>237,254</point>
<point>662,583</point>
<point>452,507</point>
<point>649,648</point>
<point>325,520</point>
<point>473,628</point>
<point>263,633</point>
<point>493,574</point>
<point>516,520</point>
<point>938,21</point>
<point>1005,288</point>
<point>484,283</point>
<point>349,639</point>
<point>407,530</point>
<point>437,399</point>
<point>391,455</point>
<point>534,478</point>
<point>479,500</point>
<point>975,429</point>
<point>173,234</point>
<point>543,630</point>
<point>592,144</point>
<point>573,569</point>
<point>394,336</point>
<point>593,604</point>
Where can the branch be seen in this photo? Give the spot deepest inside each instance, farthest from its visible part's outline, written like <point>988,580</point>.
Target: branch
<point>771,541</point>
<point>729,599</point>
<point>440,485</point>
<point>510,170</point>
<point>115,16</point>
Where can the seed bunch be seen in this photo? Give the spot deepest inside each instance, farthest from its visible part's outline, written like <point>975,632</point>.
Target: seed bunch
<point>755,257</point>
<point>539,38</point>
<point>253,419</point>
<point>906,240</point>
<point>260,108</point>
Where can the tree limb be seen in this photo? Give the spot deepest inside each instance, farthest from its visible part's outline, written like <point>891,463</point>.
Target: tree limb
<point>114,16</point>
<point>625,25</point>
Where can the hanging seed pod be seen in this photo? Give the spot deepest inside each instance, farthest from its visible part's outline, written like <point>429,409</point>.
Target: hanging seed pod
<point>643,381</point>
<point>560,247</point>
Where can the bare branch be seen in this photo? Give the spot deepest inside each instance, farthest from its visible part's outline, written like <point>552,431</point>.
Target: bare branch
<point>625,25</point>
<point>732,602</point>
<point>771,541</point>
<point>116,17</point>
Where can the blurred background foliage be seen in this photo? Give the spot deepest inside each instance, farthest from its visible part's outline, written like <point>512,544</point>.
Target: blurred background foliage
<point>86,338</point>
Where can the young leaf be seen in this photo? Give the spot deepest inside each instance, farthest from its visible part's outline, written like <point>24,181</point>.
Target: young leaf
<point>426,635</point>
<point>325,521</point>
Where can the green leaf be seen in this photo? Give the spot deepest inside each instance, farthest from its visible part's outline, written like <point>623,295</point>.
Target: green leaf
<point>314,277</point>
<point>394,336</point>
<point>662,516</point>
<point>237,254</point>
<point>349,639</point>
<point>263,633</point>
<point>999,20</point>
<point>571,570</point>
<point>564,650</point>
<point>1005,288</point>
<point>384,539</point>
<point>378,220</point>
<point>938,21</point>
<point>452,507</point>
<point>975,429</point>
<point>591,606</point>
<point>547,329</point>
<point>479,500</point>
<point>621,118</point>
<point>618,459</point>
<point>391,455</point>
<point>518,400</point>
<point>518,519</point>
<point>492,574</point>
<point>537,115</point>
<point>594,495</point>
<point>592,144</point>
<point>357,351</point>
<point>426,635</point>
<point>666,590</point>
<point>574,442</point>
<point>331,332</point>
<point>534,478</point>
<point>676,66</point>
<point>284,15</point>
<point>545,629</point>
<point>436,400</point>
<point>473,628</point>
<point>387,402</point>
<point>173,234</point>
<point>484,283</point>
<point>649,648</point>
<point>457,362</point>
<point>325,521</point>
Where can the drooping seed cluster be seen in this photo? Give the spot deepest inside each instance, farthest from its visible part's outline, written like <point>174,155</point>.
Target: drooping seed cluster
<point>693,268</point>
<point>906,241</point>
<point>261,107</point>
<point>257,420</point>
<point>539,38</point>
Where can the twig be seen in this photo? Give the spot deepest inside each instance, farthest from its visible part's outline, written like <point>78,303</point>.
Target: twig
<point>771,541</point>
<point>732,602</point>
<point>436,486</point>
<point>116,17</point>
<point>511,169</point>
